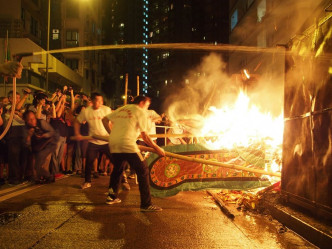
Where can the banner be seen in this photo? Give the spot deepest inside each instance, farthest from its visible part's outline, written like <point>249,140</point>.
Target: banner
<point>168,176</point>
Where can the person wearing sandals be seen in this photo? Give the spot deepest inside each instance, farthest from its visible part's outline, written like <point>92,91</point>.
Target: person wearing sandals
<point>127,123</point>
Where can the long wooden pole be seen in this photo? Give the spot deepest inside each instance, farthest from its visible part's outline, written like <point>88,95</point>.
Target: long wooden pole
<point>126,90</point>
<point>196,160</point>
<point>137,85</point>
<point>218,164</point>
<point>105,138</point>
<point>48,42</point>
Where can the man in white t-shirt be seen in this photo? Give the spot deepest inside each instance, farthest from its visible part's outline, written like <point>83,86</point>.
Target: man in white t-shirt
<point>93,115</point>
<point>153,118</point>
<point>128,122</point>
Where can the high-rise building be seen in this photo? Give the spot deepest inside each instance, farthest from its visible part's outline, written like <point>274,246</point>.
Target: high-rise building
<point>182,21</point>
<point>73,23</point>
<point>122,24</point>
<point>146,22</point>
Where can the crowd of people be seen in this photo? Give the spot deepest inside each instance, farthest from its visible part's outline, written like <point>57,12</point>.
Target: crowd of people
<point>47,138</point>
<point>37,147</point>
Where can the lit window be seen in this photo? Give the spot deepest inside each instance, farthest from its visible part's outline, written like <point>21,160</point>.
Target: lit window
<point>121,25</point>
<point>72,39</point>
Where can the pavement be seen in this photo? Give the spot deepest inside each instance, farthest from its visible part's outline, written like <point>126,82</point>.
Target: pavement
<point>61,215</point>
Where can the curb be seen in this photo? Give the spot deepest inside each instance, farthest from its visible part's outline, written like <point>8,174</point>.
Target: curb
<point>308,232</point>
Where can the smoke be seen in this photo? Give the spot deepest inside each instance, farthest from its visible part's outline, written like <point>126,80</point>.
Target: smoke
<point>209,84</point>
<point>199,89</point>
<point>216,82</point>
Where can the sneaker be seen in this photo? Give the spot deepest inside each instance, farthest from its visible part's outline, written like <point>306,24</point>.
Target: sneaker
<point>95,175</point>
<point>111,200</point>
<point>86,185</point>
<point>151,208</point>
<point>126,186</point>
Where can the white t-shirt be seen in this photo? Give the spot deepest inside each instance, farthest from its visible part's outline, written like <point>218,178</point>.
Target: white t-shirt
<point>127,124</point>
<point>17,120</point>
<point>94,119</point>
<point>176,129</point>
<point>151,125</point>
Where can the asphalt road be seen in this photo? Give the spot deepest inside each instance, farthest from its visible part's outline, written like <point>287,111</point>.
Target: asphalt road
<point>61,215</point>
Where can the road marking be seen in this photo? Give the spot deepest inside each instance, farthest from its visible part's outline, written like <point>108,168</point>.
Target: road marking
<point>14,188</point>
<point>18,190</point>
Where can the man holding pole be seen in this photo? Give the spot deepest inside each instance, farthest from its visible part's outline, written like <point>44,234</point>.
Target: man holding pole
<point>128,122</point>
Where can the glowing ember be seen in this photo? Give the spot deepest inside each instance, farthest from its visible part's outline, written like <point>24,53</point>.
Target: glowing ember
<point>246,73</point>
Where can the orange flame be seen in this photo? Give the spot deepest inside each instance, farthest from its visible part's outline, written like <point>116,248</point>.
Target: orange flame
<point>243,125</point>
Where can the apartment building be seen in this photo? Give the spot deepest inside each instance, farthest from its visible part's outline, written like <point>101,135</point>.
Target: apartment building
<point>73,23</point>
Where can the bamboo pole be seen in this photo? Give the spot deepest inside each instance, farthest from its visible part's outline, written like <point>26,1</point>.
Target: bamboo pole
<point>196,160</point>
<point>218,164</point>
<point>137,85</point>
<point>126,90</point>
<point>105,138</point>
